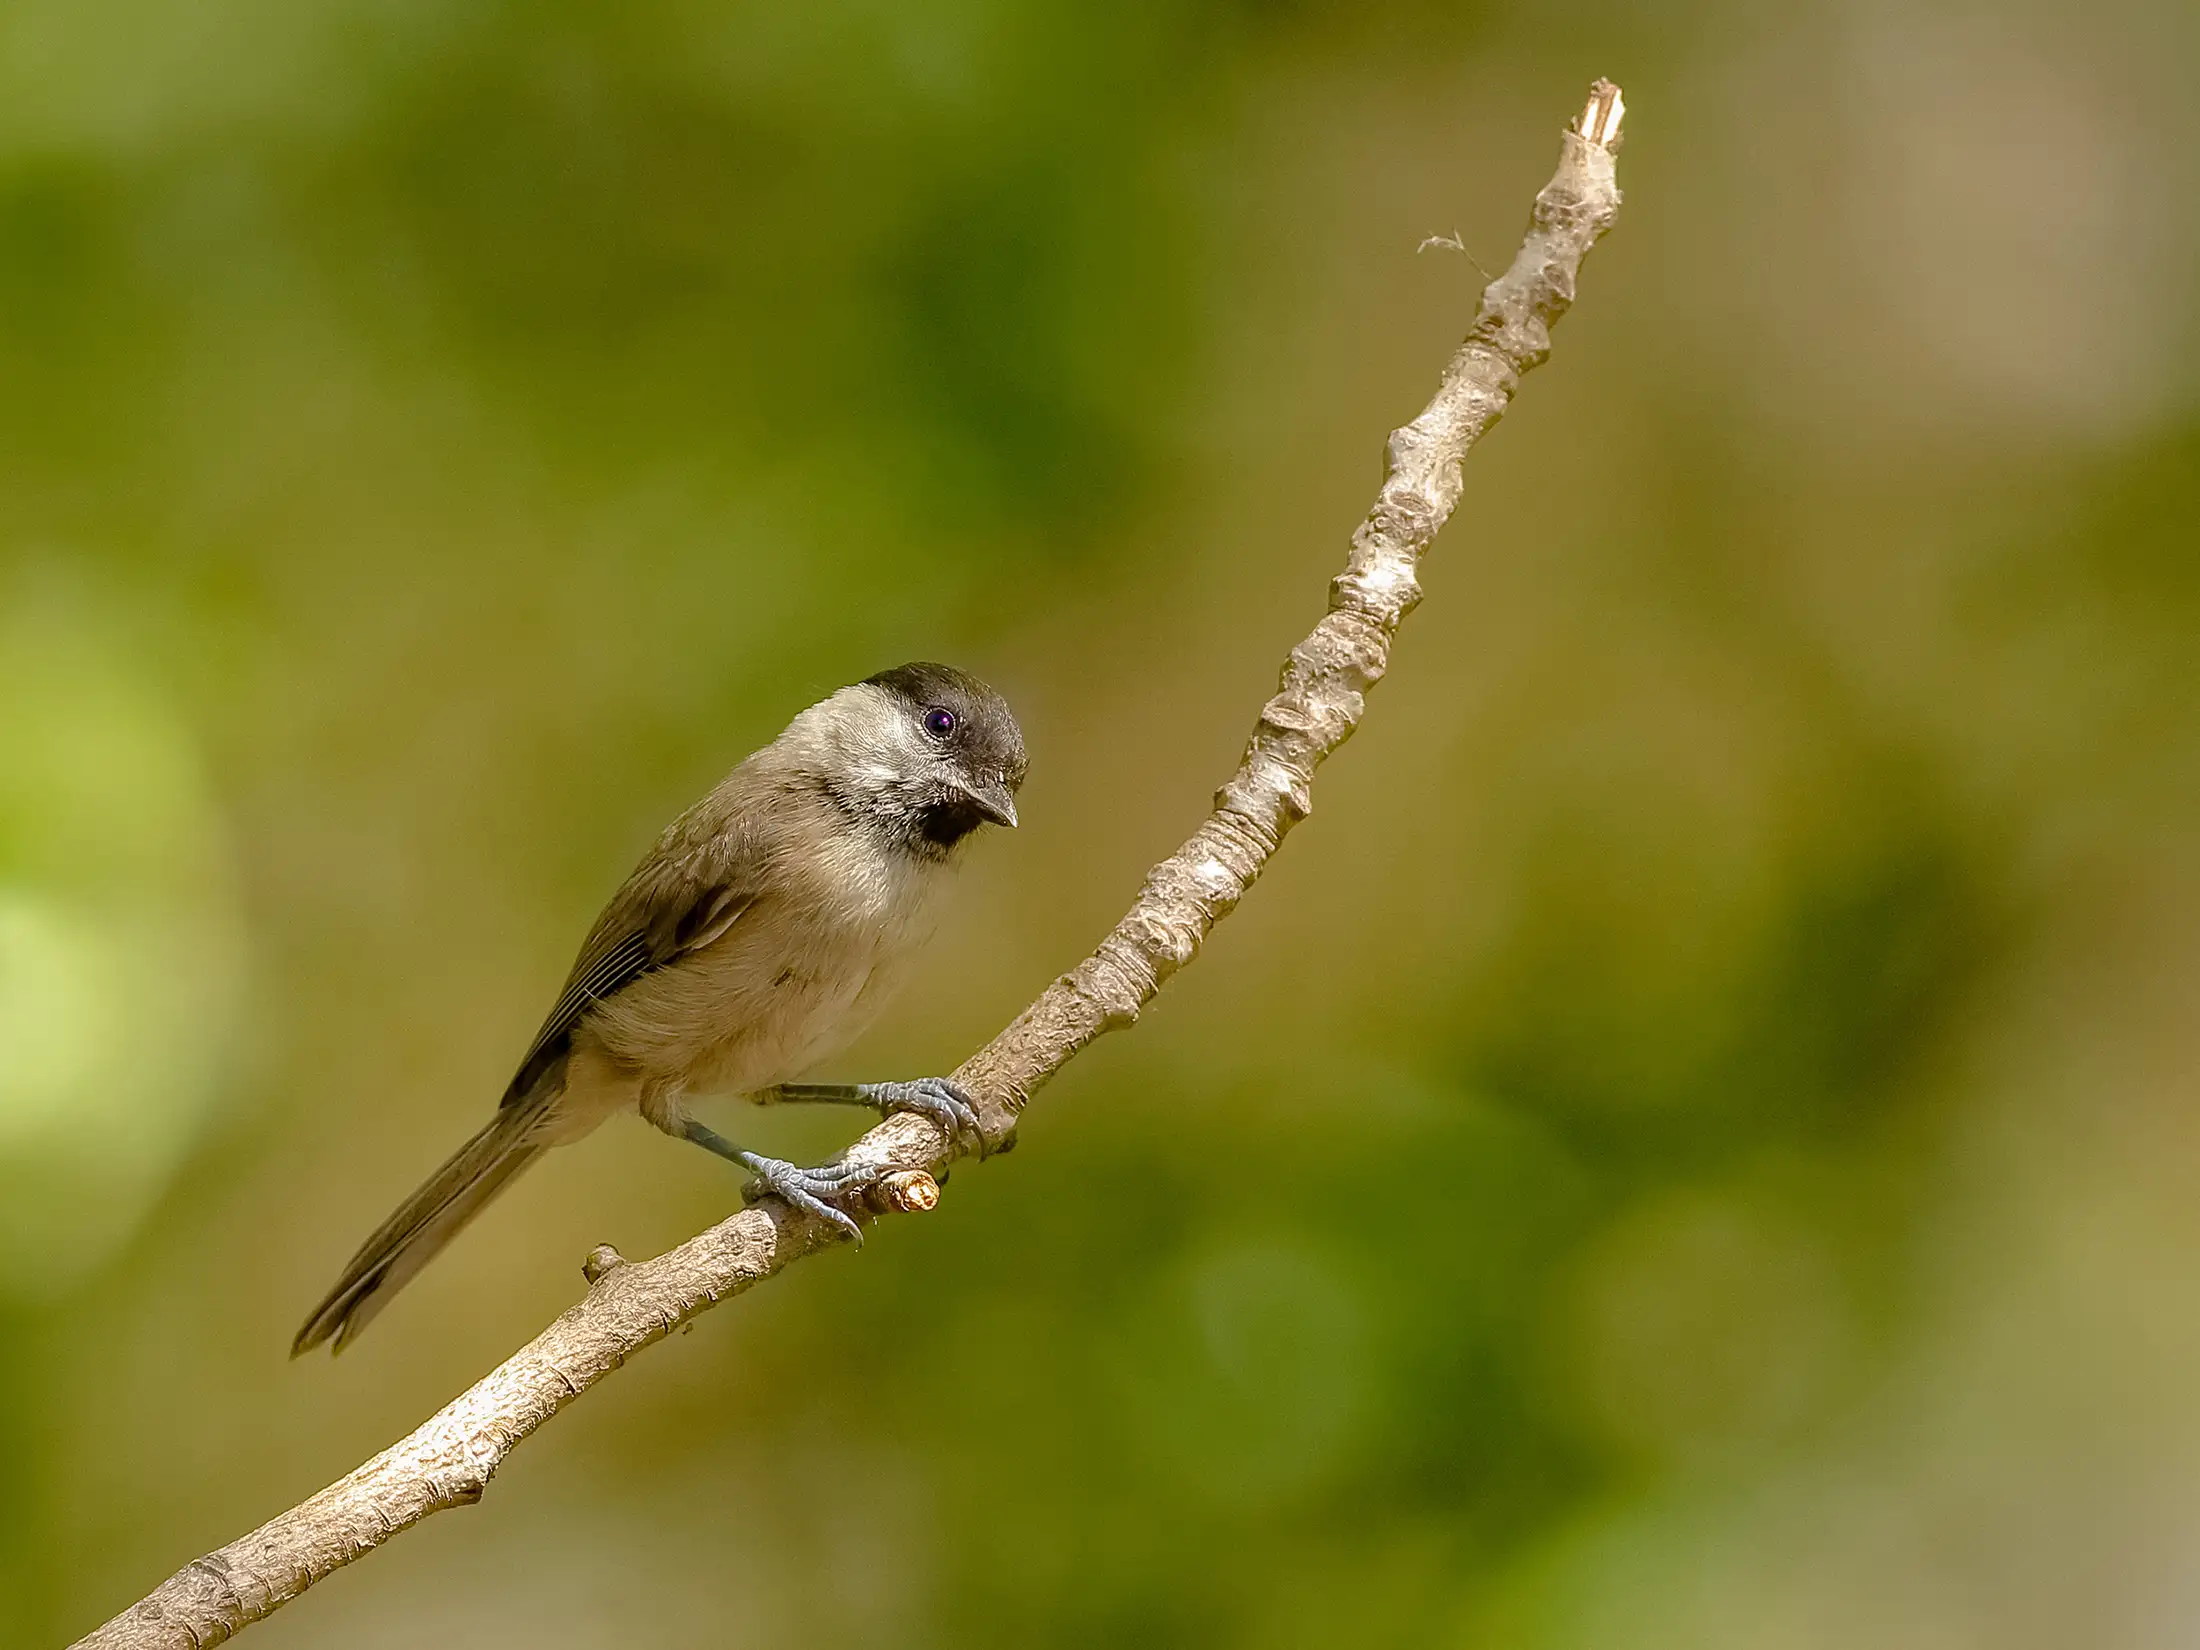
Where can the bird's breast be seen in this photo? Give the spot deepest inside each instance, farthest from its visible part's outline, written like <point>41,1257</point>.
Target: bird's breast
<point>792,981</point>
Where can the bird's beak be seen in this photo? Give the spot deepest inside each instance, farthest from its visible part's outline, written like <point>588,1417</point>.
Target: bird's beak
<point>992,798</point>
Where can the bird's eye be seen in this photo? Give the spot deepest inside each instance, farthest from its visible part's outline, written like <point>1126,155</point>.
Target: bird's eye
<point>939,722</point>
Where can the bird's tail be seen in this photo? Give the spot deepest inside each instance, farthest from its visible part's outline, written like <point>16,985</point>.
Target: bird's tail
<point>423,1224</point>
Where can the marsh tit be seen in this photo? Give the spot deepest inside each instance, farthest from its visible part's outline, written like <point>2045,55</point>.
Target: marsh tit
<point>755,939</point>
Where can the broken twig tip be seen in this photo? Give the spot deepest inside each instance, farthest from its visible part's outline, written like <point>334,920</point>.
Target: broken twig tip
<point>602,1261</point>
<point>908,1192</point>
<point>1600,120</point>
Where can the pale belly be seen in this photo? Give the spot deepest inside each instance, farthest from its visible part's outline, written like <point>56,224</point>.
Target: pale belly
<point>769,1000</point>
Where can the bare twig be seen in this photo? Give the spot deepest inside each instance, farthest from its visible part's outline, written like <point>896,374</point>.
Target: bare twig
<point>448,1462</point>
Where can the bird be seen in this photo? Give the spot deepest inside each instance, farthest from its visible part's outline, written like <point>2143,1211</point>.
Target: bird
<point>755,939</point>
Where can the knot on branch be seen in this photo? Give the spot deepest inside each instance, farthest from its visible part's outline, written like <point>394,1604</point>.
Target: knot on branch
<point>1382,592</point>
<point>602,1261</point>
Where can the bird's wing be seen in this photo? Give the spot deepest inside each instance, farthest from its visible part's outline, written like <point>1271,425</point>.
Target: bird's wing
<point>692,887</point>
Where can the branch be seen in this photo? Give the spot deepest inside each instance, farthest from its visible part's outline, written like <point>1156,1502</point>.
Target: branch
<point>448,1462</point>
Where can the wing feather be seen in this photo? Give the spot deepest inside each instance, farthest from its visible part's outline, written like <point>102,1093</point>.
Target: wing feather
<point>691,889</point>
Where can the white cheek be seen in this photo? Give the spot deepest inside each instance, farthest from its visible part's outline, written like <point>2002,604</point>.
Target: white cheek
<point>889,754</point>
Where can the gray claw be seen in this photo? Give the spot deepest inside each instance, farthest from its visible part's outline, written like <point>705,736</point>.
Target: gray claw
<point>809,1188</point>
<point>946,1106</point>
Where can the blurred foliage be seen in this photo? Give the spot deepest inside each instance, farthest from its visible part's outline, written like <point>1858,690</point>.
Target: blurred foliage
<point>1695,1144</point>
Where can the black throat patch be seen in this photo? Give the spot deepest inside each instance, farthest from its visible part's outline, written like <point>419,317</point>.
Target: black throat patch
<point>943,824</point>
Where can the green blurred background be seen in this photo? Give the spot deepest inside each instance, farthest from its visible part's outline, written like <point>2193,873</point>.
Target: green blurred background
<point>1695,1144</point>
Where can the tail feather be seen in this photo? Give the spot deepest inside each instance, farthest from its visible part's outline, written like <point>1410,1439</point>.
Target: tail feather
<point>422,1225</point>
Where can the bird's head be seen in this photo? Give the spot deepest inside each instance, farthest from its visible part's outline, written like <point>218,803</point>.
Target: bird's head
<point>927,754</point>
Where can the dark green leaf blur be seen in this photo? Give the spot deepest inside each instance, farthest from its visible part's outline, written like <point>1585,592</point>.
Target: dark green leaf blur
<point>1696,1143</point>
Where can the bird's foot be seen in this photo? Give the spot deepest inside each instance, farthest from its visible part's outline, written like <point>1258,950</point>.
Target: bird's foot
<point>818,1190</point>
<point>947,1106</point>
<point>942,1102</point>
<point>814,1190</point>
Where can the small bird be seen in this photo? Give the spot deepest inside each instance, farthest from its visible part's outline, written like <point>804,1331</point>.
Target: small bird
<point>756,938</point>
